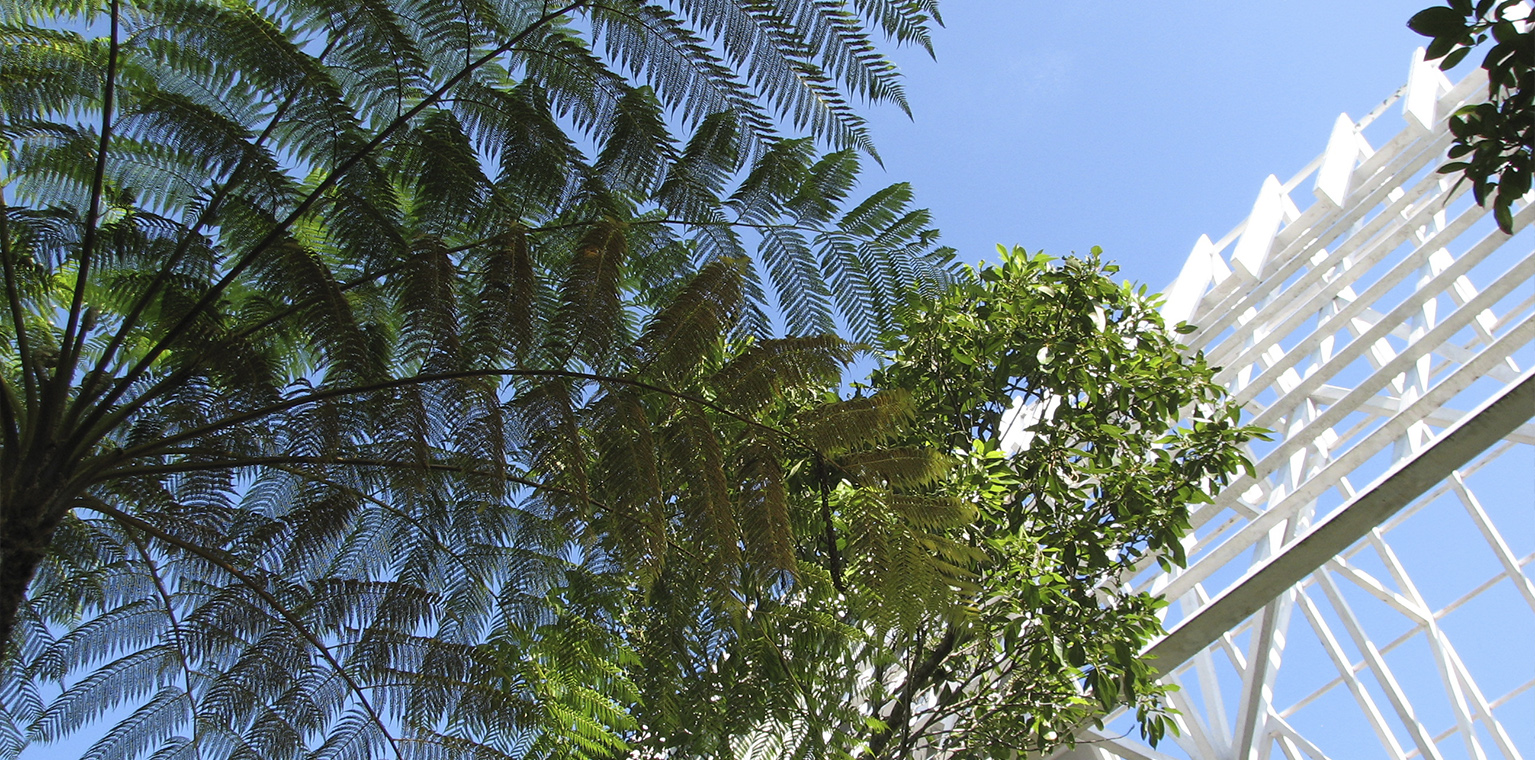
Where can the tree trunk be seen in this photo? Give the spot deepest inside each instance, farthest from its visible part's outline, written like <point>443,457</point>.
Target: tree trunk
<point>21,554</point>
<point>27,525</point>
<point>916,680</point>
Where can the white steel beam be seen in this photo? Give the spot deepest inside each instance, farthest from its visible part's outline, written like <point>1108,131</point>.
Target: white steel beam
<point>1425,743</point>
<point>1346,672</point>
<point>1405,482</point>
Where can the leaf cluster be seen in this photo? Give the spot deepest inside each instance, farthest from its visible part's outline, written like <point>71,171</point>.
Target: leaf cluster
<point>866,536</point>
<point>1087,432</point>
<point>1493,139</point>
<point>1076,431</point>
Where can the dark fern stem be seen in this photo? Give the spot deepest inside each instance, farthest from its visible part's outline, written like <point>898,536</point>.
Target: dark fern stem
<point>835,556</point>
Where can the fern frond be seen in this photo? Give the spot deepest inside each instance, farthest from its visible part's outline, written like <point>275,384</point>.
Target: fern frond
<point>131,676</point>
<point>628,477</point>
<point>637,145</point>
<point>762,509</point>
<point>695,182</point>
<point>449,185</point>
<point>855,423</point>
<point>590,309</point>
<point>804,299</point>
<point>44,73</point>
<point>898,466</point>
<point>534,156</point>
<point>907,22</point>
<point>147,728</point>
<point>428,307</point>
<point>413,337</point>
<point>753,379</point>
<point>660,49</point>
<point>501,315</point>
<point>694,448</point>
<point>323,310</point>
<point>680,337</point>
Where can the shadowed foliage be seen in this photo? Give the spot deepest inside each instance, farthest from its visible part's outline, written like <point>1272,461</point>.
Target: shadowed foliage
<point>359,360</point>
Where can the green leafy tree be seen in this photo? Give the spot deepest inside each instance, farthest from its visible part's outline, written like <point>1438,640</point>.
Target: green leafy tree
<point>1494,140</point>
<point>358,359</point>
<point>979,610</point>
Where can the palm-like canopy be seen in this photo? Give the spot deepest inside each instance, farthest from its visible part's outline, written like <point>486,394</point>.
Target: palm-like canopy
<point>334,332</point>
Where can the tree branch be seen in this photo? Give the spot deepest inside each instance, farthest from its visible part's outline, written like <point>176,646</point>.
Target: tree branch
<point>18,314</point>
<point>152,449</point>
<point>916,679</point>
<point>831,530</point>
<point>71,345</point>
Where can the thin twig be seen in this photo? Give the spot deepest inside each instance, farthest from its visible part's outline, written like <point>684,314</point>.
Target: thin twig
<point>151,449</point>
<point>72,344</point>
<point>278,232</point>
<point>287,615</point>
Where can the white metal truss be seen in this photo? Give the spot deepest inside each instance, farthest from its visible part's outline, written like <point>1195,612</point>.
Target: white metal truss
<point>1367,592</point>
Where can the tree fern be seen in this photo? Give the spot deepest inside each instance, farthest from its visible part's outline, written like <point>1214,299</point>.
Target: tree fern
<point>360,363</point>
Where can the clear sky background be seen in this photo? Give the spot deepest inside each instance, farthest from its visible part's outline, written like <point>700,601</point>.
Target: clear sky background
<point>1135,126</point>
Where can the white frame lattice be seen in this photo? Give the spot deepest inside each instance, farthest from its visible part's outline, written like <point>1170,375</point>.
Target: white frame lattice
<point>1352,330</point>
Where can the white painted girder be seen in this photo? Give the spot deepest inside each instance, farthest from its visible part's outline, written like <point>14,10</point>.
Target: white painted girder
<point>1332,536</point>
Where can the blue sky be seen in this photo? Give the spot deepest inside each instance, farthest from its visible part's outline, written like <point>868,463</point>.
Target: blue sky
<point>1132,126</point>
